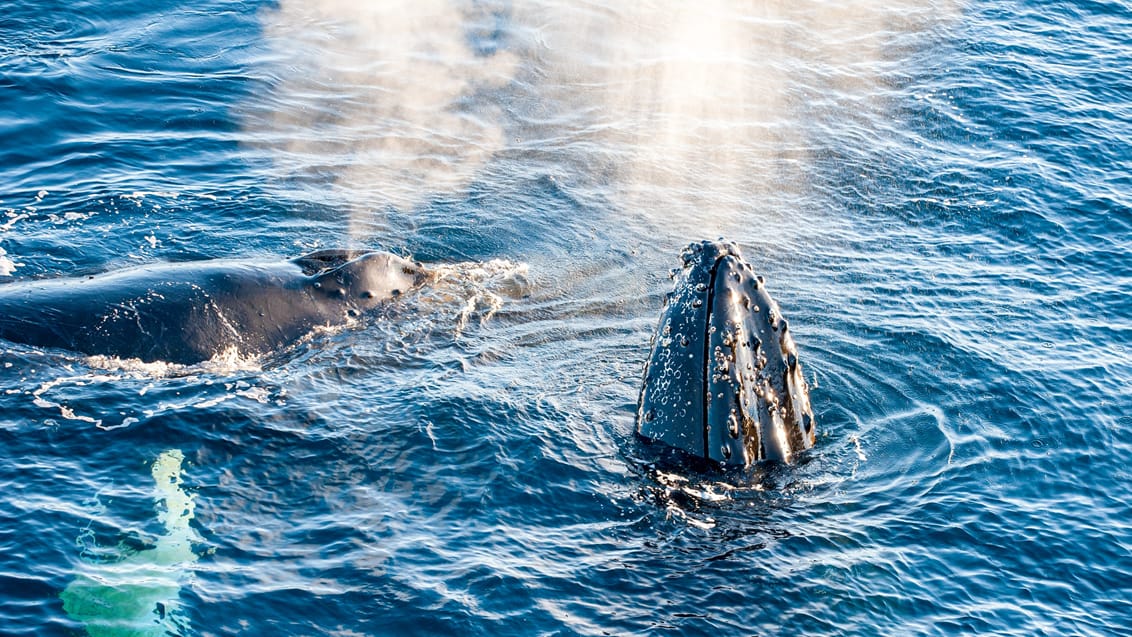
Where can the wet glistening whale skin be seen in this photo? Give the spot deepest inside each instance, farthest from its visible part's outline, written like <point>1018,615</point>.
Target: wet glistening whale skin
<point>723,381</point>
<point>189,312</point>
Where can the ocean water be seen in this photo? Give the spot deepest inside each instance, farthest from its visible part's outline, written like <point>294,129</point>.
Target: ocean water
<point>939,196</point>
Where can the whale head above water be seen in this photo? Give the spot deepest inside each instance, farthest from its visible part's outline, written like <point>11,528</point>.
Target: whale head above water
<point>363,278</point>
<point>723,381</point>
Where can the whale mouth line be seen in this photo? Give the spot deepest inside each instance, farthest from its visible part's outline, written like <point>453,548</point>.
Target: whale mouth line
<point>706,372</point>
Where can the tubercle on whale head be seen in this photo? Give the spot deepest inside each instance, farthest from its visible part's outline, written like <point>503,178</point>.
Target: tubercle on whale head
<point>364,279</point>
<point>723,381</point>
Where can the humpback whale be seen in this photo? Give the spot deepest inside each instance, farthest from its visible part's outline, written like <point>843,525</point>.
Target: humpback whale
<point>723,381</point>
<point>189,312</point>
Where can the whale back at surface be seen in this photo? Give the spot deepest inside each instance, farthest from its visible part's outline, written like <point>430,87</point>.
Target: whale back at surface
<point>190,312</point>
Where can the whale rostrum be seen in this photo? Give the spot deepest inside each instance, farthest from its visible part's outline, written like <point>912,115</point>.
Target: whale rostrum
<point>723,381</point>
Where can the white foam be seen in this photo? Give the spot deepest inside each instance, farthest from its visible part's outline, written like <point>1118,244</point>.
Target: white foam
<point>477,289</point>
<point>7,266</point>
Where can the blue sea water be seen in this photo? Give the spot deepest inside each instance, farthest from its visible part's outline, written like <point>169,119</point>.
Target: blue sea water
<point>939,196</point>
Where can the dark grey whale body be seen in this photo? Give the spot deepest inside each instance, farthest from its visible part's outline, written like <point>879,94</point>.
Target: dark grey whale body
<point>723,381</point>
<point>189,312</point>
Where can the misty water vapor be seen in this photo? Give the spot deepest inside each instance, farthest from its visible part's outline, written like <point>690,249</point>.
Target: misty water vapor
<point>681,111</point>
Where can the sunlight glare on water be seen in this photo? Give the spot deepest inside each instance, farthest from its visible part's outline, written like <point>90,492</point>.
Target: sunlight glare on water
<point>678,112</point>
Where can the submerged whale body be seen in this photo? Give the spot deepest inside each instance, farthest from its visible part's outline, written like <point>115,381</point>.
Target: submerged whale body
<point>723,381</point>
<point>189,312</point>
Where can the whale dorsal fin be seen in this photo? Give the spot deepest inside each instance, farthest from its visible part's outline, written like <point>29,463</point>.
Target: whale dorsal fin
<point>323,260</point>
